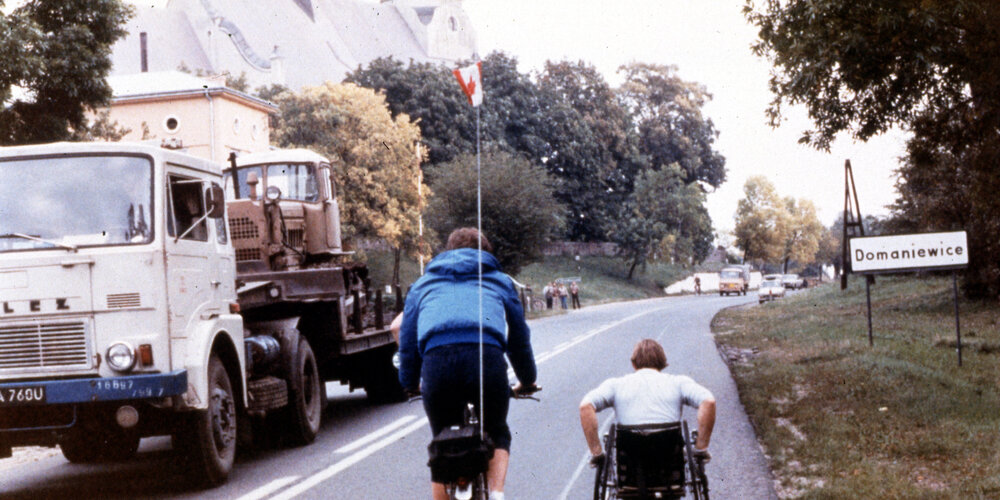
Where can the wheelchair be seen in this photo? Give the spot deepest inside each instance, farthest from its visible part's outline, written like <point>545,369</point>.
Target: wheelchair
<point>654,461</point>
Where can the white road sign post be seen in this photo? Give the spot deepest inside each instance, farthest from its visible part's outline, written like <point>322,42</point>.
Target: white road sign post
<point>911,252</point>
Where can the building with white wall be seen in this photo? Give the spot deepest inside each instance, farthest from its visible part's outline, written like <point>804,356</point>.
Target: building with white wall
<point>291,42</point>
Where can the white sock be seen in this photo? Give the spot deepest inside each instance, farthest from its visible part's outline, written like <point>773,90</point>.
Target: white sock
<point>496,495</point>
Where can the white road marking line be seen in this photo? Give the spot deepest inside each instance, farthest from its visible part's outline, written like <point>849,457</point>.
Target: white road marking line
<point>342,465</point>
<point>585,461</point>
<point>349,461</point>
<point>269,488</point>
<point>561,348</point>
<point>375,435</point>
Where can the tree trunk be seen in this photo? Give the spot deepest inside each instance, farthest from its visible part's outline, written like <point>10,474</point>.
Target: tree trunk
<point>784,266</point>
<point>396,255</point>
<point>631,269</point>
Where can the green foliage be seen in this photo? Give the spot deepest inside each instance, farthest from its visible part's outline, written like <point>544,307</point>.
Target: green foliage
<point>926,65</point>
<point>377,168</point>
<point>761,222</point>
<point>430,95</point>
<point>590,146</point>
<point>103,128</point>
<point>664,218</point>
<point>805,232</point>
<point>667,113</point>
<point>566,119</point>
<point>59,53</point>
<point>519,213</point>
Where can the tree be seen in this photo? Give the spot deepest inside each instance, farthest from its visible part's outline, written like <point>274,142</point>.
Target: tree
<point>761,222</point>
<point>519,213</point>
<point>430,95</point>
<point>592,148</point>
<point>666,111</point>
<point>58,52</point>
<point>926,65</point>
<point>377,168</point>
<point>664,214</point>
<point>804,233</point>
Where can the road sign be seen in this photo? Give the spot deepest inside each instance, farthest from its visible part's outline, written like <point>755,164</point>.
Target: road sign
<point>909,252</point>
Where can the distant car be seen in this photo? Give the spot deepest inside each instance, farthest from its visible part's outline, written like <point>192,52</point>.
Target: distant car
<point>793,281</point>
<point>773,277</point>
<point>770,289</point>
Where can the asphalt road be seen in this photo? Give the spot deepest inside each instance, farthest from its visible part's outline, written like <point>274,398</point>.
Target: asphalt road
<point>376,452</point>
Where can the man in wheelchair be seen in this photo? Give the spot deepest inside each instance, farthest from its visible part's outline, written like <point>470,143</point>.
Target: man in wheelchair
<point>649,446</point>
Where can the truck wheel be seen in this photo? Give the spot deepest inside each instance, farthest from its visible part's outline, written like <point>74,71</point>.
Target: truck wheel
<point>208,440</point>
<point>305,405</point>
<point>382,380</point>
<point>83,446</point>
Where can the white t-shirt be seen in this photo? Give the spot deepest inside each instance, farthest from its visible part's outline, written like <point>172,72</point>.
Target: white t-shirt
<point>647,396</point>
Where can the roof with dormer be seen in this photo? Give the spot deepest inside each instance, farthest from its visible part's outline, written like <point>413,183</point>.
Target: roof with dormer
<point>293,42</point>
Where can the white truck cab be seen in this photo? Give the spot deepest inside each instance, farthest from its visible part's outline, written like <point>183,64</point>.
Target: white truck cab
<point>117,301</point>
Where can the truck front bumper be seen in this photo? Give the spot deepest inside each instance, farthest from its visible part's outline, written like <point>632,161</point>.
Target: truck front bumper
<point>92,390</point>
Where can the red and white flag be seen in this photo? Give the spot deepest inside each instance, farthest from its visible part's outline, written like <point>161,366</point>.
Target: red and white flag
<point>471,80</point>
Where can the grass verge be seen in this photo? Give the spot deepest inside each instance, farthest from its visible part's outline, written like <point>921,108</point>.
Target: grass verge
<point>842,420</point>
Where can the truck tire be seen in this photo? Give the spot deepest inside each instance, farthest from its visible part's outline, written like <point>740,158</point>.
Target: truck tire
<point>305,399</point>
<point>208,439</point>
<point>382,378</point>
<point>84,446</point>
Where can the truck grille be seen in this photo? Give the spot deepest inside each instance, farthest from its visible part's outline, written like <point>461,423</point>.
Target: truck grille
<point>124,300</point>
<point>242,228</point>
<point>44,345</point>
<point>296,238</point>
<point>247,254</point>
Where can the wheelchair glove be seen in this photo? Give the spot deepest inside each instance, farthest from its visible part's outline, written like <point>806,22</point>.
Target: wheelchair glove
<point>597,461</point>
<point>703,455</point>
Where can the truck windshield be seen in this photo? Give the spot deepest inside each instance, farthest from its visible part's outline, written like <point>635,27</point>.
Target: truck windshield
<point>76,201</point>
<point>297,181</point>
<point>729,274</point>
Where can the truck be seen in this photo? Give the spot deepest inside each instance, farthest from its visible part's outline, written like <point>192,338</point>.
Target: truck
<point>734,279</point>
<point>140,297</point>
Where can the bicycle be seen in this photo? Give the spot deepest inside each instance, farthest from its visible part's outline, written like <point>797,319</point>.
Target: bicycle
<point>650,461</point>
<point>462,453</point>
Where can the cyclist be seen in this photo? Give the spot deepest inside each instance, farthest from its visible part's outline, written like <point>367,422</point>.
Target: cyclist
<point>647,396</point>
<point>439,345</point>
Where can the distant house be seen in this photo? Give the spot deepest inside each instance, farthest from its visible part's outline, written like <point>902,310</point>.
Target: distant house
<point>199,115</point>
<point>291,42</point>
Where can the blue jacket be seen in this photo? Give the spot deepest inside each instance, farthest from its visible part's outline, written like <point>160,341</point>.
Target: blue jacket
<point>442,308</point>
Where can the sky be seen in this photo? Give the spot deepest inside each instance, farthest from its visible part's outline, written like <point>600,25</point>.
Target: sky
<point>709,42</point>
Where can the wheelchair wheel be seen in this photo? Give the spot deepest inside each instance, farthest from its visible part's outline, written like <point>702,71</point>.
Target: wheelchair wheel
<point>697,481</point>
<point>604,479</point>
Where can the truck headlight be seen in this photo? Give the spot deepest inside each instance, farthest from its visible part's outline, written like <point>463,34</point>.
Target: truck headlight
<point>121,357</point>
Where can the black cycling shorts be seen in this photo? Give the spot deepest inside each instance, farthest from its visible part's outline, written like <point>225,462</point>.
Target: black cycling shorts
<point>450,378</point>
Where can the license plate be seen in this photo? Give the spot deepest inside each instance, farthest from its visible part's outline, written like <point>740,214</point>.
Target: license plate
<point>20,396</point>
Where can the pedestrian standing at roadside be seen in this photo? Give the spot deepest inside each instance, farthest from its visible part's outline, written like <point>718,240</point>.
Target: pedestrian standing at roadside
<point>548,295</point>
<point>562,295</point>
<point>574,293</point>
<point>697,285</point>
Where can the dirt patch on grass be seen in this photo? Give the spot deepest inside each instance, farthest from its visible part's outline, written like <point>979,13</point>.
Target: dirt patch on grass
<point>737,356</point>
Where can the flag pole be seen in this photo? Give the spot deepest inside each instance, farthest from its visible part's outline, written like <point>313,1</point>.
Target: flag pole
<point>472,84</point>
<point>479,228</point>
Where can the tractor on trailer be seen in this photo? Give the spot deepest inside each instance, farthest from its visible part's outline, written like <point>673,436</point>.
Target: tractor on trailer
<point>131,305</point>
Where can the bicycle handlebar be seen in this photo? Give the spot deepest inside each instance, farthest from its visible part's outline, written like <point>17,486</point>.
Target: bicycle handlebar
<point>515,393</point>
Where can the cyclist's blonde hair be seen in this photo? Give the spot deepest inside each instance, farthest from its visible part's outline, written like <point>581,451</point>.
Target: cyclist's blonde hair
<point>648,353</point>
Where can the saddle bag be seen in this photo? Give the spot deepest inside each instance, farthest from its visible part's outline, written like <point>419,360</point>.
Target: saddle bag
<point>459,452</point>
